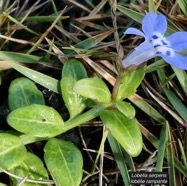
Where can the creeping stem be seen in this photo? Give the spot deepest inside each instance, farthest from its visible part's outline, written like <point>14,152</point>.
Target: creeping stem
<point>78,120</point>
<point>87,116</point>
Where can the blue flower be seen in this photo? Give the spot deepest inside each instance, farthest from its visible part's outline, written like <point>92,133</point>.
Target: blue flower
<point>154,27</point>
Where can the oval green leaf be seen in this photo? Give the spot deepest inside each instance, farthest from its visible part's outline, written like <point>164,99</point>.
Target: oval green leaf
<point>93,88</point>
<point>126,131</point>
<point>23,92</point>
<point>126,108</point>
<point>64,162</point>
<point>12,151</point>
<point>72,72</point>
<point>130,82</point>
<point>36,120</point>
<point>32,166</point>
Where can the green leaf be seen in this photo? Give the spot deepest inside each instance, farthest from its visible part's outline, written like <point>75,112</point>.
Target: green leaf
<point>42,79</point>
<point>72,72</point>
<point>64,162</point>
<point>126,131</point>
<point>36,120</point>
<point>23,92</point>
<point>32,166</point>
<point>130,82</point>
<point>93,88</point>
<point>126,108</point>
<point>12,151</point>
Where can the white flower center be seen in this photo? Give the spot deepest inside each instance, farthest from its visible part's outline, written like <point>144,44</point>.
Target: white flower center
<point>161,45</point>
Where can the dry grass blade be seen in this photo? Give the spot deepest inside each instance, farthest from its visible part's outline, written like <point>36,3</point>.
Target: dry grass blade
<point>57,51</point>
<point>69,35</point>
<point>28,180</point>
<point>5,65</point>
<point>109,66</point>
<point>96,17</point>
<point>84,181</point>
<point>21,41</point>
<point>37,5</point>
<point>23,19</point>
<point>98,7</point>
<point>172,113</point>
<point>80,29</point>
<point>47,31</point>
<point>146,165</point>
<point>98,69</point>
<point>114,18</point>
<point>77,4</point>
<point>94,11</point>
<point>92,25</point>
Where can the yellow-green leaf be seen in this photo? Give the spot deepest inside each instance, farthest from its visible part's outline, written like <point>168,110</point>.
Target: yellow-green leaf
<point>126,131</point>
<point>36,120</point>
<point>64,161</point>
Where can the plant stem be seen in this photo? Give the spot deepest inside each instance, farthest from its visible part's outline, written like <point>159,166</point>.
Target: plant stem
<point>26,139</point>
<point>87,116</point>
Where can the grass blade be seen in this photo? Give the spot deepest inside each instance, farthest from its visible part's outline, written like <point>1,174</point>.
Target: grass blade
<point>148,109</point>
<point>170,159</point>
<point>182,77</point>
<point>177,104</point>
<point>136,16</point>
<point>21,25</point>
<point>116,149</point>
<point>183,154</point>
<point>161,149</point>
<point>152,7</point>
<point>43,19</point>
<point>42,79</point>
<point>129,160</point>
<point>90,42</point>
<point>15,56</point>
<point>183,5</point>
<point>131,13</point>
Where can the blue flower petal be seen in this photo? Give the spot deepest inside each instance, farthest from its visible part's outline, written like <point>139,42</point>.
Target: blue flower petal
<point>145,46</point>
<point>134,31</point>
<point>136,58</point>
<point>152,23</point>
<point>178,41</point>
<point>177,61</point>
